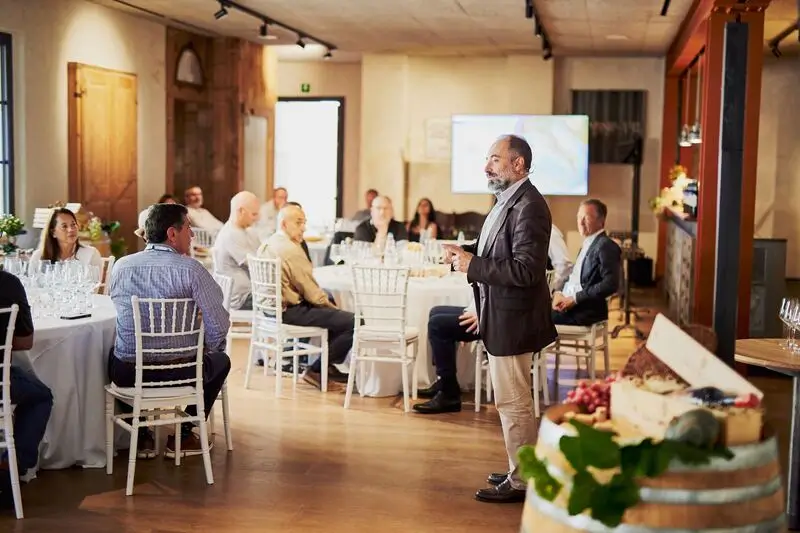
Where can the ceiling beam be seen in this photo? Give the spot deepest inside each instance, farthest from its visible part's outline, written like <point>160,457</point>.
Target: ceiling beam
<point>691,36</point>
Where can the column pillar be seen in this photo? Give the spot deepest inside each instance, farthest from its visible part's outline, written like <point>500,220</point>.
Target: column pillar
<point>670,130</point>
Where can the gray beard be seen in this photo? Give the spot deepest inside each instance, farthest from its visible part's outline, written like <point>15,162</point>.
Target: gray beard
<point>498,185</point>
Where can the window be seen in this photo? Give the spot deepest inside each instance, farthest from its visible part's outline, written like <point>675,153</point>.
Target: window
<point>6,127</point>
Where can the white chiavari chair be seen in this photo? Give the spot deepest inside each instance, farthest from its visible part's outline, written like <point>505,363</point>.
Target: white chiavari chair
<point>163,328</point>
<point>381,334</point>
<point>278,341</point>
<point>226,285</point>
<point>581,342</point>
<point>203,241</point>
<point>6,411</point>
<point>105,274</point>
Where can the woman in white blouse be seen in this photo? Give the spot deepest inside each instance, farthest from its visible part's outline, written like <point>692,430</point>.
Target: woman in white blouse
<point>60,242</point>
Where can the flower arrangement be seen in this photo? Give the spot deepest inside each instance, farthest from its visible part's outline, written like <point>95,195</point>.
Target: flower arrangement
<point>10,227</point>
<point>671,197</point>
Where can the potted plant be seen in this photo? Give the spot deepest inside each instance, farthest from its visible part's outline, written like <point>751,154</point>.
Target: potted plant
<point>10,227</point>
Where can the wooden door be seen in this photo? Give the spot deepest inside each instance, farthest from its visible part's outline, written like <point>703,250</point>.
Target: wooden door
<point>103,148</point>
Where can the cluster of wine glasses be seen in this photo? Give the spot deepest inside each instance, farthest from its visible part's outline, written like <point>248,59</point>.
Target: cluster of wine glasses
<point>430,252</point>
<point>789,314</point>
<point>59,289</point>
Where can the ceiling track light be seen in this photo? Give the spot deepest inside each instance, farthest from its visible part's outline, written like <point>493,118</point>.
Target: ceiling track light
<point>227,5</point>
<point>223,12</point>
<point>528,9</point>
<point>328,55</point>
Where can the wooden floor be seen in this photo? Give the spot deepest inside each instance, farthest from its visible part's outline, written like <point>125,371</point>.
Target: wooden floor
<point>304,464</point>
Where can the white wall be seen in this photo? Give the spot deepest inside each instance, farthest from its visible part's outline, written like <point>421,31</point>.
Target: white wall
<point>48,34</point>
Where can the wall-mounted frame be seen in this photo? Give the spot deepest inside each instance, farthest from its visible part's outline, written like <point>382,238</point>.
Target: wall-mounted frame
<point>189,69</point>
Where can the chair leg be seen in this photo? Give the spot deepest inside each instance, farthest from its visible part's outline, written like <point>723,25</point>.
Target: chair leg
<point>406,403</point>
<point>415,372</point>
<point>592,362</point>
<point>535,376</point>
<point>543,377</point>
<point>557,354</point>
<point>226,421</point>
<point>12,466</point>
<point>325,362</point>
<point>351,379</point>
<point>177,438</point>
<point>489,383</point>
<point>204,446</point>
<point>249,365</point>
<point>478,380</point>
<point>109,434</point>
<point>606,363</point>
<point>132,454</point>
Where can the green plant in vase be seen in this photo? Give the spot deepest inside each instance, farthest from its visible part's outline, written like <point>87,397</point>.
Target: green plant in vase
<point>11,226</point>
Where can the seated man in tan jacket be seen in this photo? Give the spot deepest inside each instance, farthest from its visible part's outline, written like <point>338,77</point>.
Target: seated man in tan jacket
<point>304,301</point>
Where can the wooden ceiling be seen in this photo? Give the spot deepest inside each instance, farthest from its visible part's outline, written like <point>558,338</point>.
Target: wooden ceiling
<point>445,27</point>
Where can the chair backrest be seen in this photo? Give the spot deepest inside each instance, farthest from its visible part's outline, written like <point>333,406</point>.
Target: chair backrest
<point>265,283</point>
<point>169,336</point>
<point>203,238</point>
<point>105,274</point>
<point>381,295</point>
<point>551,276</point>
<point>5,348</point>
<point>226,284</point>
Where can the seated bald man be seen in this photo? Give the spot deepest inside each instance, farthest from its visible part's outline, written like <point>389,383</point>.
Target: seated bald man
<point>305,302</point>
<point>235,241</point>
<point>380,223</point>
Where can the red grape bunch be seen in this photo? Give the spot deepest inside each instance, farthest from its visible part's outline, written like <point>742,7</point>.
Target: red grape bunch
<point>589,396</point>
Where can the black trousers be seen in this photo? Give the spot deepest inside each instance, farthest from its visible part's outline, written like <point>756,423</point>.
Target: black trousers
<point>564,318</point>
<point>215,371</point>
<point>338,323</point>
<point>444,332</point>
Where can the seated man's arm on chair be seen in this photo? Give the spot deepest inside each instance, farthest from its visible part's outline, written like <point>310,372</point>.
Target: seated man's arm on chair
<point>208,296</point>
<point>609,258</point>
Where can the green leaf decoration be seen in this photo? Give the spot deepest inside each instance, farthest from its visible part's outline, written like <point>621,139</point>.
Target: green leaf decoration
<point>612,500</point>
<point>584,492</point>
<point>531,467</point>
<point>645,459</point>
<point>591,447</point>
<point>691,455</point>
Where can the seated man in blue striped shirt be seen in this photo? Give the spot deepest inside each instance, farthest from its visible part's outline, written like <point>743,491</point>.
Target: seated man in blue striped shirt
<point>165,270</point>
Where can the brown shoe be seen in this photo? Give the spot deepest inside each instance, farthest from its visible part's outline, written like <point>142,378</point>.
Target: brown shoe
<point>189,446</point>
<point>315,379</point>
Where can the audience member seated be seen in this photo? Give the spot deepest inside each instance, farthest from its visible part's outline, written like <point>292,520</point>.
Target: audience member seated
<point>558,256</point>
<point>448,325</point>
<point>380,224</point>
<point>199,216</point>
<point>305,302</point>
<point>166,199</point>
<point>596,275</point>
<point>424,219</point>
<point>59,242</point>
<point>364,214</point>
<point>165,270</point>
<point>268,215</point>
<point>303,243</point>
<point>31,398</point>
<point>235,241</point>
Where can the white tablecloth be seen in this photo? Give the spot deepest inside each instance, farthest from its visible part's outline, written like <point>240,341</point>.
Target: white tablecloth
<point>385,379</point>
<point>71,357</point>
<point>316,249</point>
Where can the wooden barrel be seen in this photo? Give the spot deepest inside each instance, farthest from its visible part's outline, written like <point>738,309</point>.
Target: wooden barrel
<point>741,495</point>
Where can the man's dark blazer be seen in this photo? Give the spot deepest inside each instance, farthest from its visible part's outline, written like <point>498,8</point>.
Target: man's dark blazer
<point>514,313</point>
<point>366,231</point>
<point>600,278</point>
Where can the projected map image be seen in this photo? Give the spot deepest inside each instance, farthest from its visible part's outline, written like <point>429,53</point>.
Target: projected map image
<point>560,145</point>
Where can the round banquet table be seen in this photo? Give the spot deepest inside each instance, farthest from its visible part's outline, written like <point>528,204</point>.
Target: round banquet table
<point>316,249</point>
<point>71,357</point>
<point>385,379</point>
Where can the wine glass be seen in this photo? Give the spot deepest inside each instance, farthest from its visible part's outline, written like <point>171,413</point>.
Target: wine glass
<point>336,253</point>
<point>784,314</point>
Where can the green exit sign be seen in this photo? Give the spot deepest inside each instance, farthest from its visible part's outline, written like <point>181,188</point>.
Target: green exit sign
<point>305,87</point>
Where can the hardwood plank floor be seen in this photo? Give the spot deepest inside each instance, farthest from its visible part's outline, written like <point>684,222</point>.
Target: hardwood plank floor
<point>303,463</point>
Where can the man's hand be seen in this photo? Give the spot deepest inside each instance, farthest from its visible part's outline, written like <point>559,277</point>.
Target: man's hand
<point>565,303</point>
<point>470,320</point>
<point>456,255</point>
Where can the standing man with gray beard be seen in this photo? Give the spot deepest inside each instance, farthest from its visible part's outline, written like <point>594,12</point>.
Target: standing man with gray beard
<point>506,268</point>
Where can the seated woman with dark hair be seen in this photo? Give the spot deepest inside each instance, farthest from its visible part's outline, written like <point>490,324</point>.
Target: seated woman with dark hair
<point>60,242</point>
<point>166,199</point>
<point>424,219</point>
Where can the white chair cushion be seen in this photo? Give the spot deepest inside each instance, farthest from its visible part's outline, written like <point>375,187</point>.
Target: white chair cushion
<point>300,331</point>
<point>375,334</point>
<point>153,393</point>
